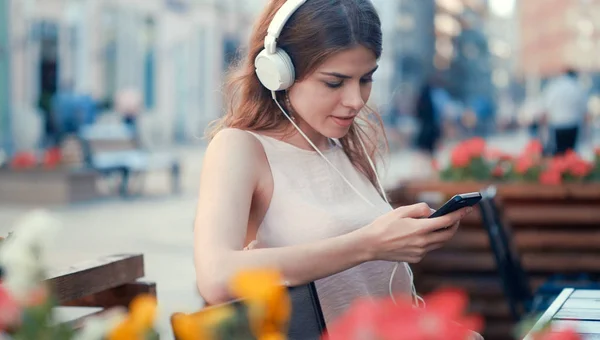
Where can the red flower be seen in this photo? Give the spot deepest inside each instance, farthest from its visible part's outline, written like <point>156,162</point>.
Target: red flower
<point>534,147</point>
<point>475,146</point>
<point>360,322</point>
<point>23,160</point>
<point>576,165</point>
<point>523,165</point>
<point>442,319</point>
<point>558,164</point>
<point>498,171</point>
<point>10,312</point>
<point>580,169</point>
<point>460,158</point>
<point>550,177</point>
<point>52,158</point>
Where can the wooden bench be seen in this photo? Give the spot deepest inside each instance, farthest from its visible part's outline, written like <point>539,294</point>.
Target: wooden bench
<point>98,285</point>
<point>34,187</point>
<point>114,149</point>
<point>555,229</point>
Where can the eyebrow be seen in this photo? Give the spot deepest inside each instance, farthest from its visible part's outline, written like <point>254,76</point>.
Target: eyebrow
<point>343,76</point>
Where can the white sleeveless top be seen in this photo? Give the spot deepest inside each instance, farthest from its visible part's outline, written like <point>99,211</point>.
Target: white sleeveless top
<point>311,202</point>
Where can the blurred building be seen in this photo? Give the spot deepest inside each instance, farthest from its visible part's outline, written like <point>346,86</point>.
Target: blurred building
<point>172,51</point>
<point>502,31</point>
<point>566,37</point>
<point>5,96</point>
<point>407,52</point>
<point>462,52</point>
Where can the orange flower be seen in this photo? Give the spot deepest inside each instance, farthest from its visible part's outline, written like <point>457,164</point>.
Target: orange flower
<point>126,330</point>
<point>201,325</point>
<point>142,313</point>
<point>186,328</point>
<point>268,302</point>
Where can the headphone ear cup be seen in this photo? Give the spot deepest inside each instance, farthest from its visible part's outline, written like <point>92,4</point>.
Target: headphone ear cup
<point>275,71</point>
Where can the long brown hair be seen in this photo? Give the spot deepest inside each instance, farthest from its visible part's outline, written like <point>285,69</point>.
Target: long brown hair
<point>315,32</point>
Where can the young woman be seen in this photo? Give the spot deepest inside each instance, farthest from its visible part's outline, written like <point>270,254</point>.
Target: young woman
<point>287,180</point>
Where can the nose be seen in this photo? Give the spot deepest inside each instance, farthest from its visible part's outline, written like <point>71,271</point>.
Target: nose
<point>353,97</point>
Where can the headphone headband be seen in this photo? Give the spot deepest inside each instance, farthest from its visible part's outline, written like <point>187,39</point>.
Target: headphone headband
<point>279,21</point>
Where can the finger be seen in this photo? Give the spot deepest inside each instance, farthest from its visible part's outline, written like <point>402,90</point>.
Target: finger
<point>442,235</point>
<point>448,220</point>
<point>433,247</point>
<point>418,210</point>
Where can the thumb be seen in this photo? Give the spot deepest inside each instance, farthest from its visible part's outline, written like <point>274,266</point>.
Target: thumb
<point>418,210</point>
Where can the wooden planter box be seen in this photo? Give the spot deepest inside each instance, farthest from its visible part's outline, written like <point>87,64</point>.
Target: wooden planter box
<point>555,229</point>
<point>47,187</point>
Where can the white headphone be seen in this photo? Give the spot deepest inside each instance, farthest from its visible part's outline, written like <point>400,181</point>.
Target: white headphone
<point>273,65</point>
<point>275,71</point>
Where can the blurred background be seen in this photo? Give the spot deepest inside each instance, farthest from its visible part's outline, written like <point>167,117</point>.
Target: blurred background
<point>101,91</point>
<point>159,65</point>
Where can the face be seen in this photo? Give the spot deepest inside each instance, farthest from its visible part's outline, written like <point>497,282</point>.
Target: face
<point>326,102</point>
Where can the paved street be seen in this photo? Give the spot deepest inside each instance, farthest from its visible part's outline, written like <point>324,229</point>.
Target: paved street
<point>160,226</point>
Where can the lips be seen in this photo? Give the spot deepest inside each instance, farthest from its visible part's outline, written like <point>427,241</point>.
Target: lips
<point>343,121</point>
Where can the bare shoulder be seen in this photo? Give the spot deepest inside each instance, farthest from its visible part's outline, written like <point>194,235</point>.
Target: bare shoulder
<point>234,149</point>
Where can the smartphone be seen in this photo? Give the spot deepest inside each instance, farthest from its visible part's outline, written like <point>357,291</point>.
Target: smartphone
<point>457,202</point>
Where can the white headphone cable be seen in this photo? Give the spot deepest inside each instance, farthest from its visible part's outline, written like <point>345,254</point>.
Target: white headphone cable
<point>416,298</point>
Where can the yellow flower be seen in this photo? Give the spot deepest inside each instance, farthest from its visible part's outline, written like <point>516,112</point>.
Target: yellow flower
<point>273,336</point>
<point>142,312</point>
<point>186,328</point>
<point>200,325</point>
<point>126,330</point>
<point>268,302</point>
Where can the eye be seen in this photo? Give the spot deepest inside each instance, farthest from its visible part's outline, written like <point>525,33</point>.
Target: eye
<point>334,85</point>
<point>366,80</point>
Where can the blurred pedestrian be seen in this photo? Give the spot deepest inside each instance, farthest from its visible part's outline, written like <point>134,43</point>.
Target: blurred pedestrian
<point>432,102</point>
<point>128,104</point>
<point>565,109</point>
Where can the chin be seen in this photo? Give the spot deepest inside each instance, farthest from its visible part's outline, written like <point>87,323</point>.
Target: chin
<point>337,132</point>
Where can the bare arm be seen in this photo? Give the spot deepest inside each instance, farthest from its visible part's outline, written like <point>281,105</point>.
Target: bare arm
<point>231,170</point>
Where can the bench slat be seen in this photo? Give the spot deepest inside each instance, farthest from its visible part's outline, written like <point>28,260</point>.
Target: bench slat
<point>92,277</point>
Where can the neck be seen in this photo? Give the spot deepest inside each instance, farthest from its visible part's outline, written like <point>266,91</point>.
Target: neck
<point>293,137</point>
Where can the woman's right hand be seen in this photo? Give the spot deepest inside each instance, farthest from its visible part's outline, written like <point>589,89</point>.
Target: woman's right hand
<point>406,234</point>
